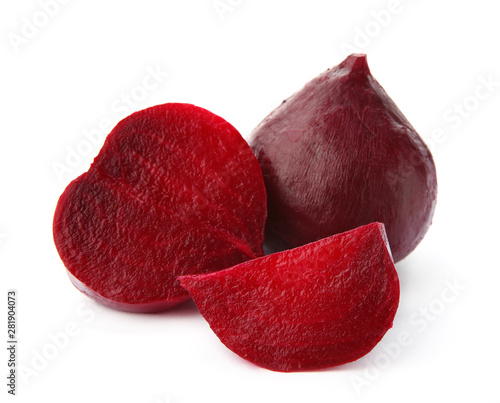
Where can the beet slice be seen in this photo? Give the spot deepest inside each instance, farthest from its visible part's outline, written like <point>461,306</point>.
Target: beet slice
<point>174,190</point>
<point>320,305</point>
<point>339,154</point>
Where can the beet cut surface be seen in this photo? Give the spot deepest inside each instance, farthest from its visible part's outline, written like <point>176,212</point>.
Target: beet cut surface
<point>174,190</point>
<point>320,305</point>
<point>339,154</point>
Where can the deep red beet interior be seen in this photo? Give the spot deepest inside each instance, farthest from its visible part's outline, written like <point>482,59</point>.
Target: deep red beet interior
<point>174,190</point>
<point>320,305</point>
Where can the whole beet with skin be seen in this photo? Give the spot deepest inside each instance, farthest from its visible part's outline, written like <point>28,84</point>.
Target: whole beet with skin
<point>339,154</point>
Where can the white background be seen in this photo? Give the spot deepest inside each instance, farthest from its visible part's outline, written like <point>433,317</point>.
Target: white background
<point>68,73</point>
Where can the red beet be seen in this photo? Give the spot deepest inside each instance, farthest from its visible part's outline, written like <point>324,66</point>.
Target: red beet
<point>174,190</point>
<point>323,304</point>
<point>339,154</point>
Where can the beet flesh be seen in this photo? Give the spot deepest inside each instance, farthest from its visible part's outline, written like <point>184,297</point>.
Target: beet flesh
<point>319,305</point>
<point>339,154</point>
<point>174,190</point>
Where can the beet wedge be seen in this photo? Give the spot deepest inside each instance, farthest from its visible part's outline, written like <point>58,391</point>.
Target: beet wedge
<point>174,190</point>
<point>320,305</point>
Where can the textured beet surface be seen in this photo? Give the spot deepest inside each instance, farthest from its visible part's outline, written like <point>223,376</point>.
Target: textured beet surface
<point>339,154</point>
<point>323,304</point>
<point>174,190</point>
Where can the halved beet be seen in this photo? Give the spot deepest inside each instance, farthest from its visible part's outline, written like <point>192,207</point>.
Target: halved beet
<point>174,190</point>
<point>320,305</point>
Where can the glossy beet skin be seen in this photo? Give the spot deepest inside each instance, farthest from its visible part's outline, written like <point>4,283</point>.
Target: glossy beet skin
<point>174,190</point>
<point>320,305</point>
<point>339,154</point>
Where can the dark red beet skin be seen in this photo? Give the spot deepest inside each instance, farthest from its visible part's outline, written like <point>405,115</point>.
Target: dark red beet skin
<point>174,190</point>
<point>320,305</point>
<point>339,154</point>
